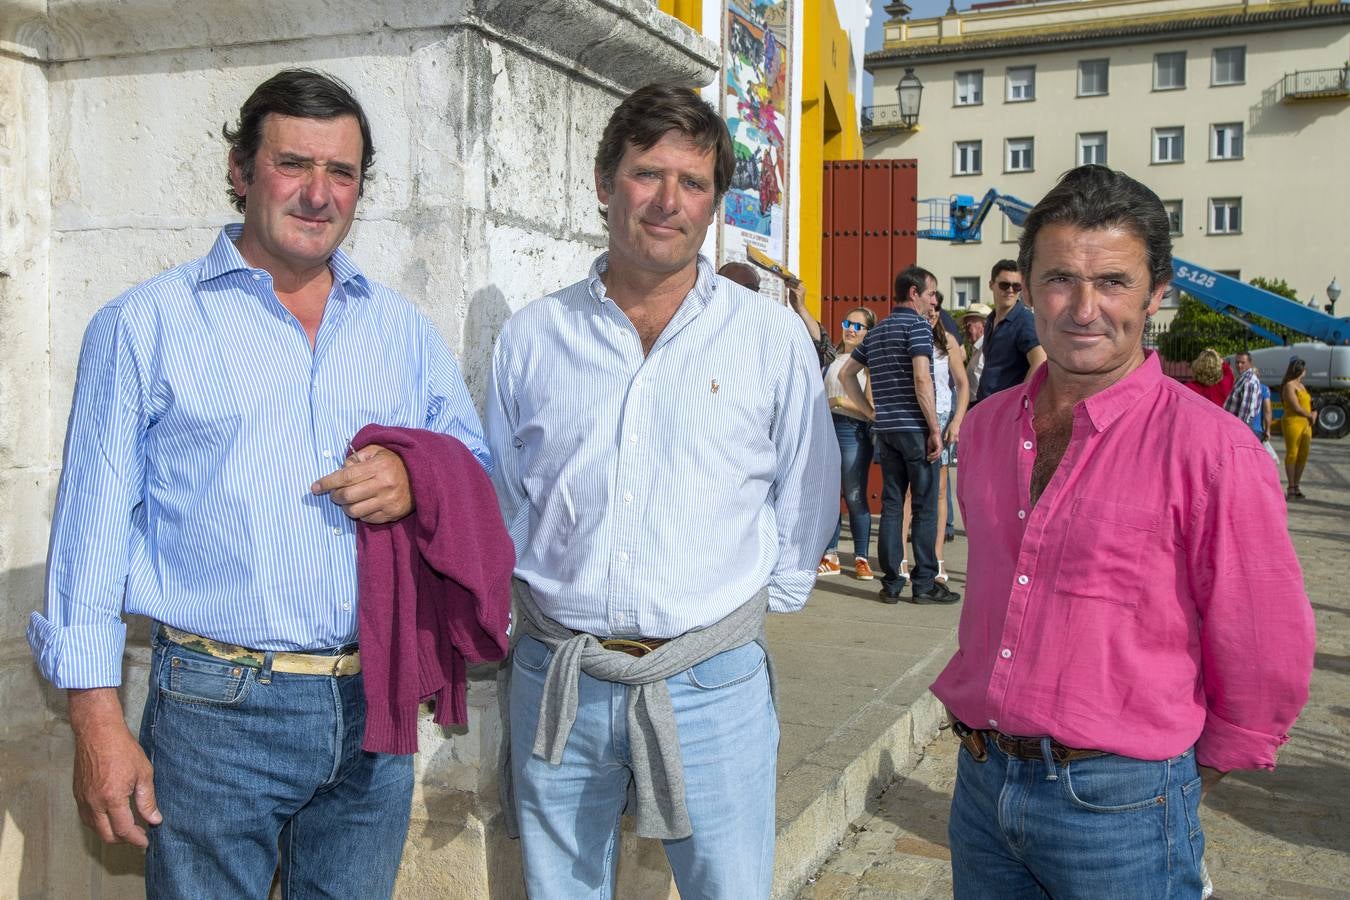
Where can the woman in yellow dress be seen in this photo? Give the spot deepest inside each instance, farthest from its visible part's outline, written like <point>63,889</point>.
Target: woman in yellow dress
<point>1296,424</point>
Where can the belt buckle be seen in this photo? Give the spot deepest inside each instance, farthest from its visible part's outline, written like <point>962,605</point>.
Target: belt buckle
<point>624,645</point>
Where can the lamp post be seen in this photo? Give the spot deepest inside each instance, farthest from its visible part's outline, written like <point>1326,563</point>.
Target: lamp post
<point>910,90</point>
<point>1333,294</point>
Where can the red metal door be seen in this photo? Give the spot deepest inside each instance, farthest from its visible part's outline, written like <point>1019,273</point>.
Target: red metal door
<point>870,219</point>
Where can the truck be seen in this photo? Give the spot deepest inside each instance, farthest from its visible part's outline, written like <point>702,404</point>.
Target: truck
<point>959,218</point>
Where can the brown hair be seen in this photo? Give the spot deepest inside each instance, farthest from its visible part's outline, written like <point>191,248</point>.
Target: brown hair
<point>645,116</point>
<point>870,316</point>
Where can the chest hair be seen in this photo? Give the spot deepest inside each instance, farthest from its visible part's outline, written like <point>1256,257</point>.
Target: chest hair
<point>649,324</point>
<point>1052,439</point>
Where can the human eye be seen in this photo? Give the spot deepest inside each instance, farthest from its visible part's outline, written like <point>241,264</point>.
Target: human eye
<point>291,166</point>
<point>342,175</point>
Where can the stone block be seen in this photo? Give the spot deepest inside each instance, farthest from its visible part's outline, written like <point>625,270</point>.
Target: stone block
<point>24,775</point>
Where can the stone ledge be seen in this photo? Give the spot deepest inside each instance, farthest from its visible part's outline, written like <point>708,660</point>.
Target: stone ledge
<point>626,42</point>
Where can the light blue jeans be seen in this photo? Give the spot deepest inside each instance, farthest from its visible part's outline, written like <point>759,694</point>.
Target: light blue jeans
<point>569,814</point>
<point>255,769</point>
<point>1108,827</point>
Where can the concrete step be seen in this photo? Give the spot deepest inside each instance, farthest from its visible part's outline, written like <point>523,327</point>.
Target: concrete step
<point>853,676</point>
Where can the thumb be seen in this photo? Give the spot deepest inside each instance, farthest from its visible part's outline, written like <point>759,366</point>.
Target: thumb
<point>146,805</point>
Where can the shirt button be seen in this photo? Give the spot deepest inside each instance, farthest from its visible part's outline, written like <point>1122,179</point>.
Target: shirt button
<point>328,454</point>
<point>993,723</point>
<point>627,496</point>
<point>1026,445</point>
<point>257,277</point>
<point>337,529</point>
<point>1005,653</point>
<point>1022,579</point>
<point>346,606</point>
<point>1021,514</point>
<point>623,557</point>
<point>632,439</point>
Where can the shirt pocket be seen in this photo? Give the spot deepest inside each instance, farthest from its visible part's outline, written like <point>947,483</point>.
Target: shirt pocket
<point>1103,546</point>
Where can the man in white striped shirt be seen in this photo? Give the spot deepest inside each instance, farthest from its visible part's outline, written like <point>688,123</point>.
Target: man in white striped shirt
<point>212,407</point>
<point>668,471</point>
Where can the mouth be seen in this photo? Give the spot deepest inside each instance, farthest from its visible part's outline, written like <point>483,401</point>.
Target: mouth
<point>311,220</point>
<point>660,229</point>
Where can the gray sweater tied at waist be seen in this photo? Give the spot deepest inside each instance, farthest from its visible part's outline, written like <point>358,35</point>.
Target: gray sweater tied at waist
<point>656,797</point>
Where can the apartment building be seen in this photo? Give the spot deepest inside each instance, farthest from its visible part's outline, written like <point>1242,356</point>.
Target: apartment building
<point>1237,115</point>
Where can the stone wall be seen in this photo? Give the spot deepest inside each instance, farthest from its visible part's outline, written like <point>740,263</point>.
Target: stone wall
<point>485,115</point>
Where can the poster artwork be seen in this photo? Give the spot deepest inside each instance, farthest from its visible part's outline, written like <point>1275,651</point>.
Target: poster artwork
<point>755,106</point>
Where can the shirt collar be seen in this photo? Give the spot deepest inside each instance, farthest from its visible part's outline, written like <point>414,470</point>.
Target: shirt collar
<point>1105,407</point>
<point>705,284</point>
<point>225,258</point>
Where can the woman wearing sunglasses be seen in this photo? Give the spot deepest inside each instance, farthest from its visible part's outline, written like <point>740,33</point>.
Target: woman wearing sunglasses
<point>854,431</point>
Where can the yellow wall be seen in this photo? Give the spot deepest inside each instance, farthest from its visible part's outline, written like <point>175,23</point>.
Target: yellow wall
<point>829,130</point>
<point>690,12</point>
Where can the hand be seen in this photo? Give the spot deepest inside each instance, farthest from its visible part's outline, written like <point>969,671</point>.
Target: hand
<point>951,433</point>
<point>1312,416</point>
<point>1208,778</point>
<point>795,292</point>
<point>934,446</point>
<point>371,486</point>
<point>111,769</point>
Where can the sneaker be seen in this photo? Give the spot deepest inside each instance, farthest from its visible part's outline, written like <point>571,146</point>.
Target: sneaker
<point>941,576</point>
<point>938,595</point>
<point>861,570</point>
<point>827,567</point>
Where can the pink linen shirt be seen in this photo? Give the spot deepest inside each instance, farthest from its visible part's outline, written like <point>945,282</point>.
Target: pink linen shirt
<point>1150,601</point>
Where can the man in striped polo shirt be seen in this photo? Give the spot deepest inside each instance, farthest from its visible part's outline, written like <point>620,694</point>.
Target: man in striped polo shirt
<point>209,485</point>
<point>898,355</point>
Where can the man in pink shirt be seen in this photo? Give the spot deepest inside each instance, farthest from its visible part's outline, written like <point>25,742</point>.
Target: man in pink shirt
<point>1135,623</point>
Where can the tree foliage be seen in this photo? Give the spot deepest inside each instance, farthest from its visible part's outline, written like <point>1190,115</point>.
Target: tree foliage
<point>1196,327</point>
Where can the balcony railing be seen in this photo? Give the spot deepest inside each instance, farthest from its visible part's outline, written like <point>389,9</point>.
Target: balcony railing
<point>875,118</point>
<point>1316,84</point>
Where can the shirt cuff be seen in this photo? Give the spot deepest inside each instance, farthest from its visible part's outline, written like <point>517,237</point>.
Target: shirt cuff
<point>1225,746</point>
<point>788,591</point>
<point>77,657</point>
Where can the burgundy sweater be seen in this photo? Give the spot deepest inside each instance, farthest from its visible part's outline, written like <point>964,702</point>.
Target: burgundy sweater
<point>434,588</point>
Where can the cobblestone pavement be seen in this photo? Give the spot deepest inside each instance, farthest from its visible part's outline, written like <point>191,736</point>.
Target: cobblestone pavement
<point>1269,834</point>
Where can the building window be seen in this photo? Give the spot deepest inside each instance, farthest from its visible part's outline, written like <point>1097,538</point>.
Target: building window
<point>1174,220</point>
<point>1093,77</point>
<point>1225,141</point>
<point>1021,155</point>
<point>1225,215</point>
<point>967,158</point>
<point>1169,145</point>
<point>970,88</point>
<point>1092,148</point>
<point>1012,234</point>
<point>1230,65</point>
<point>1021,83</point>
<point>965,291</point>
<point>1169,71</point>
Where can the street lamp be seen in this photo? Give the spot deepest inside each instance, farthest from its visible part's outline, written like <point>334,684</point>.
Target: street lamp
<point>1333,294</point>
<point>910,90</point>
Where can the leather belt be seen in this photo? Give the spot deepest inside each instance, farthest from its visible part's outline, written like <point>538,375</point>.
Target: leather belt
<point>638,647</point>
<point>289,663</point>
<point>977,741</point>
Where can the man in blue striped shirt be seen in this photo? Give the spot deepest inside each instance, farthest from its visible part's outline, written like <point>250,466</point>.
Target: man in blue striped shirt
<point>668,469</point>
<point>212,406</point>
<point>898,355</point>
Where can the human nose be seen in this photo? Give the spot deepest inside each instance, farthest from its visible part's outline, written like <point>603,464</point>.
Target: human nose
<point>667,197</point>
<point>1083,302</point>
<point>318,188</point>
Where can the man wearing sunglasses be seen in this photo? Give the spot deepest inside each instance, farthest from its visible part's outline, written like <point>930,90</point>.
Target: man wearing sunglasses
<point>1011,349</point>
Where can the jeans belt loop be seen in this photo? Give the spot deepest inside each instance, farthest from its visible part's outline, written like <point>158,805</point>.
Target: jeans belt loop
<point>265,673</point>
<point>1051,771</point>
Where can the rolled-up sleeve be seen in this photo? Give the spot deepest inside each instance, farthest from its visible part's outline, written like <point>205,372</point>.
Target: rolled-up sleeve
<point>806,489</point>
<point>78,642</point>
<point>1256,625</point>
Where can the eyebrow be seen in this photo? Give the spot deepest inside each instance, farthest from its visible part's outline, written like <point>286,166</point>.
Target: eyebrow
<point>287,156</point>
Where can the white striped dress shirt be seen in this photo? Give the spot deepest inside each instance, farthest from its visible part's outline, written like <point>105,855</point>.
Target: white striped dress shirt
<point>654,495</point>
<point>201,417</point>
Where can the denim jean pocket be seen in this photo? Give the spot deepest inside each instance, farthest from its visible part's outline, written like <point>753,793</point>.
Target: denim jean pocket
<point>1190,793</point>
<point>725,669</point>
<point>531,654</point>
<point>1111,784</point>
<point>190,678</point>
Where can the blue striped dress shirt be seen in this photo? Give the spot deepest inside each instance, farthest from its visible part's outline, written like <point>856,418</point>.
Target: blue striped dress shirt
<point>201,417</point>
<point>651,495</point>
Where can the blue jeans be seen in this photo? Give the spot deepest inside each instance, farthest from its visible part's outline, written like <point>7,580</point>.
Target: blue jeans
<point>1108,827</point>
<point>904,465</point>
<point>855,457</point>
<point>569,814</point>
<point>255,769</point>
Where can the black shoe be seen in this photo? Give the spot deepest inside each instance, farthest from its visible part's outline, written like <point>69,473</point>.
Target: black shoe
<point>938,593</point>
<point>889,596</point>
